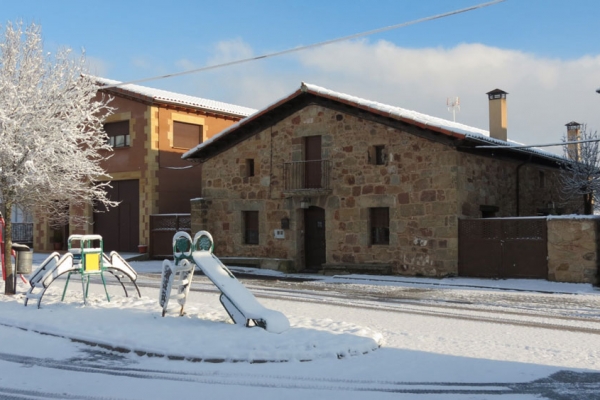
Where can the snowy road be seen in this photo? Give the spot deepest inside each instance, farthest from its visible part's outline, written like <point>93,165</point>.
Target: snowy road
<point>454,343</point>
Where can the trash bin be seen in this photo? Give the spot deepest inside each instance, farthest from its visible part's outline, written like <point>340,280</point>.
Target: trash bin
<point>24,258</point>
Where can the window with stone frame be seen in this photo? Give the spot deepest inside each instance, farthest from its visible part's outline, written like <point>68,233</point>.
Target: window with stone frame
<point>186,136</point>
<point>542,179</point>
<point>249,167</point>
<point>118,133</point>
<point>250,226</point>
<point>377,155</point>
<point>379,223</point>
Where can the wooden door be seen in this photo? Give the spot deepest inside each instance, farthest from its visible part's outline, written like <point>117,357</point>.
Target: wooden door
<point>119,226</point>
<point>312,158</point>
<point>314,238</point>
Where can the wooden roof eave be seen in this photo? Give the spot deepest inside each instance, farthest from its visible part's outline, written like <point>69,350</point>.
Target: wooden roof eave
<point>469,145</point>
<point>148,100</point>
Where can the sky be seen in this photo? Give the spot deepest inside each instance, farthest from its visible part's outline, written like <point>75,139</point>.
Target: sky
<point>544,53</point>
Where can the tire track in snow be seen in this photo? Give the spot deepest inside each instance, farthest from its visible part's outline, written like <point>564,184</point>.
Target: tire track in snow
<point>449,311</point>
<point>578,385</point>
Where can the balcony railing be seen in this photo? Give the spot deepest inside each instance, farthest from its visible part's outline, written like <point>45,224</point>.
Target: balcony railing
<point>22,232</point>
<point>307,176</point>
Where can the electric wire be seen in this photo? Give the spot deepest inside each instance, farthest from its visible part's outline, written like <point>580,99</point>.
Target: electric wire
<point>310,46</point>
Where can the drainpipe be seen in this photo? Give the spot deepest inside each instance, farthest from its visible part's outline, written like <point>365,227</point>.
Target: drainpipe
<point>519,185</point>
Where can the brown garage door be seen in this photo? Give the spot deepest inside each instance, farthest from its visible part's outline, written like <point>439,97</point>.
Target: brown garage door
<point>503,248</point>
<point>120,226</point>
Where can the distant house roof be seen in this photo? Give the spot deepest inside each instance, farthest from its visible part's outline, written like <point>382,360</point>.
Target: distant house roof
<point>165,97</point>
<point>468,135</point>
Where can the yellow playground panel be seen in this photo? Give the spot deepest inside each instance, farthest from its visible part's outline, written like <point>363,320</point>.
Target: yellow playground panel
<point>87,252</point>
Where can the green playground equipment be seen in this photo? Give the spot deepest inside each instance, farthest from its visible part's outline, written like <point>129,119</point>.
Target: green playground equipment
<point>89,257</point>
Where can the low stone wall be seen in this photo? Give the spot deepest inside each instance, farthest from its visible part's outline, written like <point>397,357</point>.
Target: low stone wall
<point>573,249</point>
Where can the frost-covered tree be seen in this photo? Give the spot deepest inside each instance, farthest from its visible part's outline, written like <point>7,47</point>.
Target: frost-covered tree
<point>51,133</point>
<point>580,175</point>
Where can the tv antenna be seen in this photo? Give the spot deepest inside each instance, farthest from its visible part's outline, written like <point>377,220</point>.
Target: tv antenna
<point>453,105</point>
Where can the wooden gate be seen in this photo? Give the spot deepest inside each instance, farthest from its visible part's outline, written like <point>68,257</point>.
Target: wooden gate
<point>119,226</point>
<point>503,248</point>
<point>162,229</point>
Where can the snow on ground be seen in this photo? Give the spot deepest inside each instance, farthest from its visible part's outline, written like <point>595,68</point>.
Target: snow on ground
<point>427,350</point>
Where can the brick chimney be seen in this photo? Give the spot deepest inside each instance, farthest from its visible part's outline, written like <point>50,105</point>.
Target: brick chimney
<point>573,134</point>
<point>497,100</point>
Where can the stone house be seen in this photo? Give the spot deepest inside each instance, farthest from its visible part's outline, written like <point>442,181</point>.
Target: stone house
<point>322,180</point>
<point>149,131</point>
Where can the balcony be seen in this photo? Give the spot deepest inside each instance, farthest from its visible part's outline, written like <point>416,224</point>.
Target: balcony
<point>307,178</point>
<point>22,232</point>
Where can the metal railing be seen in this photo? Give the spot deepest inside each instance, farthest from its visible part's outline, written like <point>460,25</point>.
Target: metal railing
<point>307,175</point>
<point>22,232</point>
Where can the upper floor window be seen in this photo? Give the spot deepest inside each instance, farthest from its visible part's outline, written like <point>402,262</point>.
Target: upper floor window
<point>377,155</point>
<point>542,179</point>
<point>118,133</point>
<point>249,167</point>
<point>186,136</point>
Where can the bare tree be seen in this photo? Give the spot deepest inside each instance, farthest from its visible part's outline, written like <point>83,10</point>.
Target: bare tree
<point>580,174</point>
<point>51,133</point>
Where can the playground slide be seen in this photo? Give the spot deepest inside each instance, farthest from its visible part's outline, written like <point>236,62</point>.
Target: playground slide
<point>119,268</point>
<point>239,302</point>
<point>51,268</point>
<point>48,264</point>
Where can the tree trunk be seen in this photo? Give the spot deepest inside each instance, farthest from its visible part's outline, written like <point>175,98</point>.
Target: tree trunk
<point>9,284</point>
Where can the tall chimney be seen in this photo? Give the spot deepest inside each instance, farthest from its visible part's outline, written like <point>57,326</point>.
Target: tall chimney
<point>497,99</point>
<point>573,134</point>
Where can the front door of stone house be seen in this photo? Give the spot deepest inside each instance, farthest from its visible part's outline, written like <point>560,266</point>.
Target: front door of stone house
<point>314,238</point>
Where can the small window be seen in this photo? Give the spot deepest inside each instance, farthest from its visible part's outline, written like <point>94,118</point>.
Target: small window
<point>380,225</point>
<point>377,155</point>
<point>250,227</point>
<point>186,136</point>
<point>250,167</point>
<point>488,211</point>
<point>118,133</point>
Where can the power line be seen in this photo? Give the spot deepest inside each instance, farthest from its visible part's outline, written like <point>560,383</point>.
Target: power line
<point>310,46</point>
<point>526,146</point>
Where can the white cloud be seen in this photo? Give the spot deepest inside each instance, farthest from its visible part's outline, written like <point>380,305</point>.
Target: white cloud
<point>97,66</point>
<point>544,94</point>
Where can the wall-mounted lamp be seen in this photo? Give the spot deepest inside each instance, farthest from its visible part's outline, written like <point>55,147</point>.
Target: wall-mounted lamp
<point>285,223</point>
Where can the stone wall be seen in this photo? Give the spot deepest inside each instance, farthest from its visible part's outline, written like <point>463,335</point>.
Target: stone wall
<point>417,182</point>
<point>489,181</point>
<point>573,249</point>
<point>426,184</point>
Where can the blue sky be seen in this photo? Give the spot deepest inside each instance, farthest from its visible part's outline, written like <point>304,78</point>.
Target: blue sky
<point>545,53</point>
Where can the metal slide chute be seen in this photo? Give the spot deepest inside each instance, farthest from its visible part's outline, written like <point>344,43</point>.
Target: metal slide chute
<point>240,303</point>
<point>49,270</point>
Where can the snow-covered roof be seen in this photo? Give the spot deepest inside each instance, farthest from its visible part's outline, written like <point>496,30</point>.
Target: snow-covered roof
<point>441,125</point>
<point>164,96</point>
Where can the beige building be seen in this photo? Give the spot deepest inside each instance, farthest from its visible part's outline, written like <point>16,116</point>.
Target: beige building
<point>325,181</point>
<point>149,131</point>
